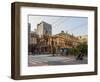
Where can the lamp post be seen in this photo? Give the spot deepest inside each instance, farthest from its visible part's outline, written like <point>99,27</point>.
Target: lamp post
<point>52,47</point>
<point>73,44</point>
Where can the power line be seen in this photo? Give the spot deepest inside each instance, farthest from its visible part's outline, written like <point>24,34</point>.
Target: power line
<point>63,21</point>
<point>56,21</point>
<point>78,26</point>
<point>75,28</point>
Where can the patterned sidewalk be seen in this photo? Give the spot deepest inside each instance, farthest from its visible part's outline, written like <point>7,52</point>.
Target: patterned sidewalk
<point>43,60</point>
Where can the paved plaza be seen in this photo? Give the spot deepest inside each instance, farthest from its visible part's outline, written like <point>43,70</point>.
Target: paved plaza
<point>41,60</point>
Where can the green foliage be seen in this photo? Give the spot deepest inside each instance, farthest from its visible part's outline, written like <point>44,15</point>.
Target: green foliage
<point>83,47</point>
<point>73,51</point>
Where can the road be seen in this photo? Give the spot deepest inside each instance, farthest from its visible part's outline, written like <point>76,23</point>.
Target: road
<point>41,60</point>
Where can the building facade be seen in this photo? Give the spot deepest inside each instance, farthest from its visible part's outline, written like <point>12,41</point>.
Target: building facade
<point>44,28</point>
<point>83,38</point>
<point>33,43</point>
<point>57,42</point>
<point>43,42</point>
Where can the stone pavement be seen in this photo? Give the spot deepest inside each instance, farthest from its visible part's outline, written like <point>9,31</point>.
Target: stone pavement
<point>48,59</point>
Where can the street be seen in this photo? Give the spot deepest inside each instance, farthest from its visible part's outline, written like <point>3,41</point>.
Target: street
<point>48,59</point>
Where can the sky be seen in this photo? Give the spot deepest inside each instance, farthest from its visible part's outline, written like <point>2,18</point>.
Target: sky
<point>73,25</point>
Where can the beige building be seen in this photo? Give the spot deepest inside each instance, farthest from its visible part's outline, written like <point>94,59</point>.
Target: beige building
<point>67,39</point>
<point>33,38</point>
<point>42,40</point>
<point>32,42</point>
<point>83,38</point>
<point>57,42</point>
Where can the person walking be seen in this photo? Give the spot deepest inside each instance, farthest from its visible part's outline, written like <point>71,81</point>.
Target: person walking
<point>80,55</point>
<point>54,51</point>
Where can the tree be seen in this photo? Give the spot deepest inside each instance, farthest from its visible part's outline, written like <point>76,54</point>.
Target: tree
<point>73,51</point>
<point>83,47</point>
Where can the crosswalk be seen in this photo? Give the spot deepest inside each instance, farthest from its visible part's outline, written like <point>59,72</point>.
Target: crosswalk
<point>35,62</point>
<point>50,60</point>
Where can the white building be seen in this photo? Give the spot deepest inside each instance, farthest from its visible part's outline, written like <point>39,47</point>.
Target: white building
<point>44,28</point>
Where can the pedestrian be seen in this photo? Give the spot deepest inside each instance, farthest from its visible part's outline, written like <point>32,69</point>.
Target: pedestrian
<point>80,55</point>
<point>54,51</point>
<point>62,52</point>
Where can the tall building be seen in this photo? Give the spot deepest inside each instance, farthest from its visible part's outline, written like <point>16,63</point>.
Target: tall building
<point>44,28</point>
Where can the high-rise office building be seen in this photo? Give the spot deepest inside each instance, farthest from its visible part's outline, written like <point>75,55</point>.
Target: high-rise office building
<point>44,28</point>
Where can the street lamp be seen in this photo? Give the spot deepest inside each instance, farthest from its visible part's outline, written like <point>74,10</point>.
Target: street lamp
<point>52,46</point>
